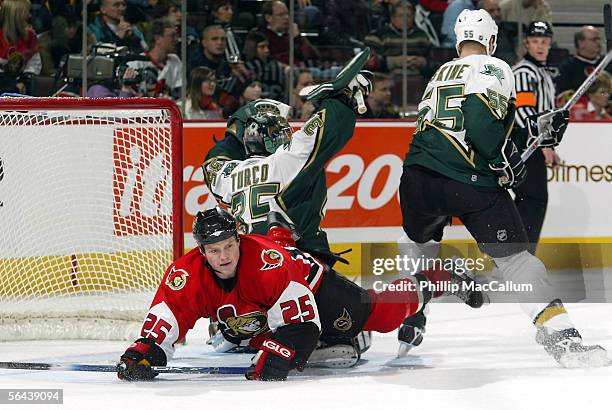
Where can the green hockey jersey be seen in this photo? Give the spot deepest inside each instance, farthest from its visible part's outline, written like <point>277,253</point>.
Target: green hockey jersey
<point>466,112</point>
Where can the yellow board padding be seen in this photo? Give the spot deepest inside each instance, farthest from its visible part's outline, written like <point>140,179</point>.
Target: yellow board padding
<point>81,273</point>
<point>564,253</point>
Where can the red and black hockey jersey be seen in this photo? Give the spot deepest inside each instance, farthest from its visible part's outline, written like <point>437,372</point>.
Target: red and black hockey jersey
<point>274,287</point>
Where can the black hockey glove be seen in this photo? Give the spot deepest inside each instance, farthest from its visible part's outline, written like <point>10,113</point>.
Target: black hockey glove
<point>511,168</point>
<point>550,124</point>
<point>137,360</point>
<point>273,362</point>
<point>287,349</point>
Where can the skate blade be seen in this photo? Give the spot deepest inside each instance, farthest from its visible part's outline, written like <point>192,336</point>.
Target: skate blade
<point>590,358</point>
<point>403,350</point>
<point>334,357</point>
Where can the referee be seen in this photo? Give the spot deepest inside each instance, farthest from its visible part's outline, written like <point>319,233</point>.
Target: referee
<point>535,93</point>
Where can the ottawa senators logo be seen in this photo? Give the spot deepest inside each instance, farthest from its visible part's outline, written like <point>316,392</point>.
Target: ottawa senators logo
<point>176,279</point>
<point>243,326</point>
<point>271,259</point>
<point>344,322</point>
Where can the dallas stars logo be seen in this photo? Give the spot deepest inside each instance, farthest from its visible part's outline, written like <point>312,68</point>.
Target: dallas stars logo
<point>490,69</point>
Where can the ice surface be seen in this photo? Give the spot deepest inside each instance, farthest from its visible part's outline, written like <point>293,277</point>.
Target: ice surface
<point>470,359</point>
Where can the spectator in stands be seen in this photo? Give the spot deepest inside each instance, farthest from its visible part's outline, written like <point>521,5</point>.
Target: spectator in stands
<point>221,13</point>
<point>65,37</point>
<point>436,9</point>
<point>230,77</point>
<point>277,30</point>
<point>379,100</point>
<point>270,72</point>
<point>344,27</point>
<point>507,33</point>
<point>308,13</point>
<point>455,7</point>
<point>19,55</point>
<point>171,10</point>
<point>530,10</point>
<point>201,103</point>
<point>163,38</point>
<point>251,92</point>
<point>593,105</point>
<point>301,109</point>
<point>577,68</point>
<point>388,44</point>
<point>111,27</point>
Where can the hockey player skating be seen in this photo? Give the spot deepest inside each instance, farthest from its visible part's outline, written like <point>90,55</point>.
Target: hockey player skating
<point>461,163</point>
<point>267,293</point>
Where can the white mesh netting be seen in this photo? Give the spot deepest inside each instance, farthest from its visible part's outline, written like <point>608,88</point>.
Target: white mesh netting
<point>86,220</point>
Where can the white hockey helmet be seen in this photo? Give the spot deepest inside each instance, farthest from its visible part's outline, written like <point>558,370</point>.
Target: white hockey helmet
<point>476,25</point>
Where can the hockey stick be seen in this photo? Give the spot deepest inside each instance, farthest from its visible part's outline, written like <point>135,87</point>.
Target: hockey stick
<point>545,120</point>
<point>113,368</point>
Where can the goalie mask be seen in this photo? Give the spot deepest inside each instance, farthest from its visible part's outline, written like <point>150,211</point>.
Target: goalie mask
<point>213,225</point>
<point>264,133</point>
<point>476,25</point>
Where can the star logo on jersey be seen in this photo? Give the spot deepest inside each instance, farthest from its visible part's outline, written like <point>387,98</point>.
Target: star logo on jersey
<point>492,70</point>
<point>229,168</point>
<point>241,326</point>
<point>176,279</point>
<point>344,322</point>
<point>271,259</point>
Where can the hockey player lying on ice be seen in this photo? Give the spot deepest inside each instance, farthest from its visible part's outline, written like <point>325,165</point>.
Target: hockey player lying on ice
<point>263,290</point>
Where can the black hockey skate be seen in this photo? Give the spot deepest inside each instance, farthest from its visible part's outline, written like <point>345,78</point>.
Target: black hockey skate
<point>467,292</point>
<point>410,333</point>
<point>566,347</point>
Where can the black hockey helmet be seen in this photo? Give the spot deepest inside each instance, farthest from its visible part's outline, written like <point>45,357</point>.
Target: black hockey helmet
<point>539,29</point>
<point>213,225</point>
<point>264,132</point>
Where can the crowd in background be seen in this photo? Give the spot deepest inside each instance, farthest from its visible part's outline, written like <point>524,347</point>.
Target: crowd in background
<point>238,51</point>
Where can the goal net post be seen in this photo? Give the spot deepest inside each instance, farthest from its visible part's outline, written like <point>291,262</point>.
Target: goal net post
<point>91,209</point>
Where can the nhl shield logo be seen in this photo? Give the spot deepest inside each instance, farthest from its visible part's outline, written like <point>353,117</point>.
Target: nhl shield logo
<point>271,259</point>
<point>176,279</point>
<point>502,235</point>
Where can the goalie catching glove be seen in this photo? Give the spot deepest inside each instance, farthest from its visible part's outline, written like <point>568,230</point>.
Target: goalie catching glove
<point>137,360</point>
<point>511,168</point>
<point>550,126</point>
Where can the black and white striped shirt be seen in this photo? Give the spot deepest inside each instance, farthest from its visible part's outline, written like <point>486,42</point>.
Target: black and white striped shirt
<point>535,89</point>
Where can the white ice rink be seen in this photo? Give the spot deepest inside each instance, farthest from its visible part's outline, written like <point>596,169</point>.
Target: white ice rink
<point>470,359</point>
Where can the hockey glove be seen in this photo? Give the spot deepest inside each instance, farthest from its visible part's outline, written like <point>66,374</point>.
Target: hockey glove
<point>550,125</point>
<point>272,362</point>
<point>137,360</point>
<point>511,168</point>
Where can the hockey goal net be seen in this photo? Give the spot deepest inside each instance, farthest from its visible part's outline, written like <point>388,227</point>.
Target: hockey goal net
<point>90,214</point>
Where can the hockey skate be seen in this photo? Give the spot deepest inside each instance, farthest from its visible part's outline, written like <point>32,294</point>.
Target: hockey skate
<point>410,333</point>
<point>566,347</point>
<point>466,292</point>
